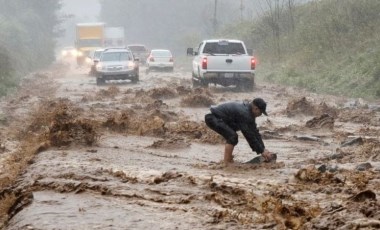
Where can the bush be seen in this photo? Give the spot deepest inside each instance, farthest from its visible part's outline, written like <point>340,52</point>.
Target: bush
<point>332,48</point>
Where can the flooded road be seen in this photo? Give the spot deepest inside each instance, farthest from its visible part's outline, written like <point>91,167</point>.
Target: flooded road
<point>139,156</point>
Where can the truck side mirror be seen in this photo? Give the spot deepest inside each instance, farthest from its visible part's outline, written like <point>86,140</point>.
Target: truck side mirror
<point>190,52</point>
<point>250,52</point>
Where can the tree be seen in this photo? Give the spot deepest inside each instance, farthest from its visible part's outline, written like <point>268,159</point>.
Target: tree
<point>271,13</point>
<point>29,29</point>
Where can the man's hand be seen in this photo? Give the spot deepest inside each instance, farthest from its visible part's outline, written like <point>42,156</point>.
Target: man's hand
<point>267,155</point>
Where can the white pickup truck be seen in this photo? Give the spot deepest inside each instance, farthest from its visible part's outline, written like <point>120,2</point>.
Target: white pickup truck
<point>223,62</point>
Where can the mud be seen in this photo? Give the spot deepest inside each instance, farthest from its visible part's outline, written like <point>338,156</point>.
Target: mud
<point>324,121</point>
<point>173,143</point>
<point>75,155</point>
<point>60,123</point>
<point>306,106</point>
<point>198,97</point>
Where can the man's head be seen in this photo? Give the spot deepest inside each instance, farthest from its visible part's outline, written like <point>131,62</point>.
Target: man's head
<point>259,107</point>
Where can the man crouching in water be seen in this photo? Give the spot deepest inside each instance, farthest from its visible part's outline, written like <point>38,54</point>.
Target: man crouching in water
<point>230,117</point>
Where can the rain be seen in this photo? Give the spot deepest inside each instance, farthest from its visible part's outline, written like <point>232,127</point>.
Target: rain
<point>103,105</point>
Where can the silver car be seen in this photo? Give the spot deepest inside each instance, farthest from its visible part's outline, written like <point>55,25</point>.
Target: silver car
<point>117,64</point>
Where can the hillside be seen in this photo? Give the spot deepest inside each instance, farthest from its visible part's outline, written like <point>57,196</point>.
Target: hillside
<point>325,46</point>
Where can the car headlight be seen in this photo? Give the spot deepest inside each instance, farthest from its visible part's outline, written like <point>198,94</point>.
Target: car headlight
<point>131,65</point>
<point>79,53</point>
<point>99,67</point>
<point>64,53</point>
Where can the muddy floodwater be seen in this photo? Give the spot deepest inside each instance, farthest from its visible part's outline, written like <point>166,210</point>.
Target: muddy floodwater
<point>75,155</point>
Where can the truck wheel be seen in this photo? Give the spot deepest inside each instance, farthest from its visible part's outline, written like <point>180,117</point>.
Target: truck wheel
<point>135,79</point>
<point>100,81</point>
<point>249,85</point>
<point>203,83</point>
<point>195,82</point>
<point>245,85</point>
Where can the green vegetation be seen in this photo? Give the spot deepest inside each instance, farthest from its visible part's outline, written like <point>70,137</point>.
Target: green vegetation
<point>327,46</point>
<point>28,29</point>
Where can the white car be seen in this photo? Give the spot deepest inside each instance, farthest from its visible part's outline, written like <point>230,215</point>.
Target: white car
<point>117,64</point>
<point>160,59</point>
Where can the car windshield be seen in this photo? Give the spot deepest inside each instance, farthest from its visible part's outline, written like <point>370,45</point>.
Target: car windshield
<point>116,56</point>
<point>137,48</point>
<point>224,48</point>
<point>161,53</point>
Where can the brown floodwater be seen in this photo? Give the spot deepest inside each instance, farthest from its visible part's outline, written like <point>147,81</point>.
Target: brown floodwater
<point>138,156</point>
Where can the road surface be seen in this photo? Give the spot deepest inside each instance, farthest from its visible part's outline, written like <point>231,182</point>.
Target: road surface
<point>75,155</point>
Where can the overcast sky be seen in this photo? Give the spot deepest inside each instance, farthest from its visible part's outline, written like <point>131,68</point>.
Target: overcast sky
<point>82,11</point>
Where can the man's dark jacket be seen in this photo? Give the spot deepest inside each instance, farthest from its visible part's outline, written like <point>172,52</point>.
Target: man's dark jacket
<point>239,116</point>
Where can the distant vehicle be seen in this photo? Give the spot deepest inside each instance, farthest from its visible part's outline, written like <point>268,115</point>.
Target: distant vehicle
<point>114,37</point>
<point>89,37</point>
<point>68,51</point>
<point>160,59</point>
<point>225,62</point>
<point>117,64</point>
<point>95,57</point>
<point>139,51</point>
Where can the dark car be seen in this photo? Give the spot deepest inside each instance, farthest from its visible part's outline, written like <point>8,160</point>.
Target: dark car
<point>139,51</point>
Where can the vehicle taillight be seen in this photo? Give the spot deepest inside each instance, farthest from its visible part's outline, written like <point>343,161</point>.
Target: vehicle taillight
<point>151,58</point>
<point>204,63</point>
<point>171,59</point>
<point>253,63</point>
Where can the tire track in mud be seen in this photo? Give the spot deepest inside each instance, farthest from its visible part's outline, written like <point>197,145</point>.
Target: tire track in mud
<point>282,195</point>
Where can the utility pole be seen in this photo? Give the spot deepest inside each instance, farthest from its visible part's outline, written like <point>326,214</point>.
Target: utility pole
<point>215,21</point>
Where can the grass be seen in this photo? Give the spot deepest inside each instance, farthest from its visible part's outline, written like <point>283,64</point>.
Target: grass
<point>352,73</point>
<point>334,48</point>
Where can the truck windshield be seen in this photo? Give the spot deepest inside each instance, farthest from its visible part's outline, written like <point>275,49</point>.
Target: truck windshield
<point>224,48</point>
<point>116,56</point>
<point>90,43</point>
